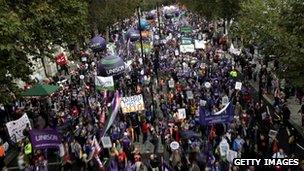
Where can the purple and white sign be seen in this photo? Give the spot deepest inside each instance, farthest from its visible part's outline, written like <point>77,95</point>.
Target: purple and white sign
<point>47,138</point>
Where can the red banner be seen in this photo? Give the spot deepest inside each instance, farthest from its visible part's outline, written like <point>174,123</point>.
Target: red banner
<point>60,59</point>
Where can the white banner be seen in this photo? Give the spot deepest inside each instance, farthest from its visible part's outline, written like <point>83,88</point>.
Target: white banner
<point>199,44</point>
<point>187,48</point>
<point>224,147</point>
<point>15,128</point>
<point>181,113</point>
<point>104,83</point>
<point>132,104</point>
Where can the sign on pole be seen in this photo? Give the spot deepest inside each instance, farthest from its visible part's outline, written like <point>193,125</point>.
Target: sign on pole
<point>106,142</point>
<point>15,128</point>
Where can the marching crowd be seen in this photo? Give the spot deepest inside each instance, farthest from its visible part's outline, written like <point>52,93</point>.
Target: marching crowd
<point>201,82</point>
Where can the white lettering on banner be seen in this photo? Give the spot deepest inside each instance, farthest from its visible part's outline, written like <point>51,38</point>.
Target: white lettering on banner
<point>46,137</point>
<point>115,70</point>
<point>15,128</point>
<point>132,104</point>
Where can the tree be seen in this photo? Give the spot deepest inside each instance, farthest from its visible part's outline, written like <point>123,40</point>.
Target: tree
<point>276,27</point>
<point>34,28</point>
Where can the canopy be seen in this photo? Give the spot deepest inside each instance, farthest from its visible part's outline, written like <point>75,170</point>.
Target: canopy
<point>98,44</point>
<point>110,65</point>
<point>40,90</point>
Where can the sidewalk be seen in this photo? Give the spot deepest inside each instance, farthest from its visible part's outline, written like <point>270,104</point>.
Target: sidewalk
<point>295,119</point>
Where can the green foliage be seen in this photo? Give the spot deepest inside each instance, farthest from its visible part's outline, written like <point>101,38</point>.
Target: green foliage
<point>277,26</point>
<point>33,28</point>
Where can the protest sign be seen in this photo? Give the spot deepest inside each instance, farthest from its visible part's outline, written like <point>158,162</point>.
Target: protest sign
<point>43,139</point>
<point>189,95</point>
<point>132,104</point>
<point>225,100</point>
<point>238,85</point>
<point>231,155</point>
<point>171,83</point>
<point>273,134</point>
<point>199,44</point>
<point>186,41</point>
<point>106,142</point>
<point>15,128</point>
<point>186,29</point>
<point>224,147</point>
<point>104,83</point>
<point>181,113</point>
<point>187,48</point>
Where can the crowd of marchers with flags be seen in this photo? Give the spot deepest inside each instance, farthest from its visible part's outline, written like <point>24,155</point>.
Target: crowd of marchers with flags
<point>166,92</point>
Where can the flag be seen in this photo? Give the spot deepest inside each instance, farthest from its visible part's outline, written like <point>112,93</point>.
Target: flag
<point>225,115</point>
<point>115,107</point>
<point>104,83</point>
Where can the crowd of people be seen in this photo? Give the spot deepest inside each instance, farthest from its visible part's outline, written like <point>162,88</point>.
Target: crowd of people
<point>169,80</point>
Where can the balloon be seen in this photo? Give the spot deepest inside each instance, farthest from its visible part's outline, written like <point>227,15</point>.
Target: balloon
<point>143,25</point>
<point>98,44</point>
<point>111,65</point>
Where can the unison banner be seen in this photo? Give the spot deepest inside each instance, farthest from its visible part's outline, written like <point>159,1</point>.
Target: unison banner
<point>132,104</point>
<point>47,138</point>
<point>15,128</point>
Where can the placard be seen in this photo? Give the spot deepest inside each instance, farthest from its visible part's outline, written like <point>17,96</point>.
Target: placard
<point>171,83</point>
<point>231,155</point>
<point>15,128</point>
<point>189,95</point>
<point>132,104</point>
<point>106,142</point>
<point>181,113</point>
<point>224,147</point>
<point>238,85</point>
<point>104,83</point>
<point>199,44</point>
<point>187,48</point>
<point>225,100</point>
<point>272,133</point>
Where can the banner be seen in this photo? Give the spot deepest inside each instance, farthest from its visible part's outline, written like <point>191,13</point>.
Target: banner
<point>225,115</point>
<point>186,41</point>
<point>146,47</point>
<point>187,48</point>
<point>132,104</point>
<point>224,147</point>
<point>186,29</point>
<point>231,155</point>
<point>15,128</point>
<point>199,44</point>
<point>104,83</point>
<point>47,138</point>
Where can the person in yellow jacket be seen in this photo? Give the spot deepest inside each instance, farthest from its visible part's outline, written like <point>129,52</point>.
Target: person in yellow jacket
<point>233,73</point>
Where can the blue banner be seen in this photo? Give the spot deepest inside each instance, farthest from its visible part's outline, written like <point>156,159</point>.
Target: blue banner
<point>225,115</point>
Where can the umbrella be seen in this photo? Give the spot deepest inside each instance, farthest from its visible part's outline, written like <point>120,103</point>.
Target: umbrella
<point>111,65</point>
<point>40,90</point>
<point>98,44</point>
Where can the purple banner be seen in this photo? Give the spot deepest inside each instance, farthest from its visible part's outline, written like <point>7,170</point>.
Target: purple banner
<point>42,139</point>
<point>223,116</point>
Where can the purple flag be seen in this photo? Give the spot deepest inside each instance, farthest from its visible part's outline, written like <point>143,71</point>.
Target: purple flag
<point>223,116</point>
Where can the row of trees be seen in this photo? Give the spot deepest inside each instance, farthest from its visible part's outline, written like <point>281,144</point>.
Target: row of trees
<point>276,27</point>
<point>35,28</point>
